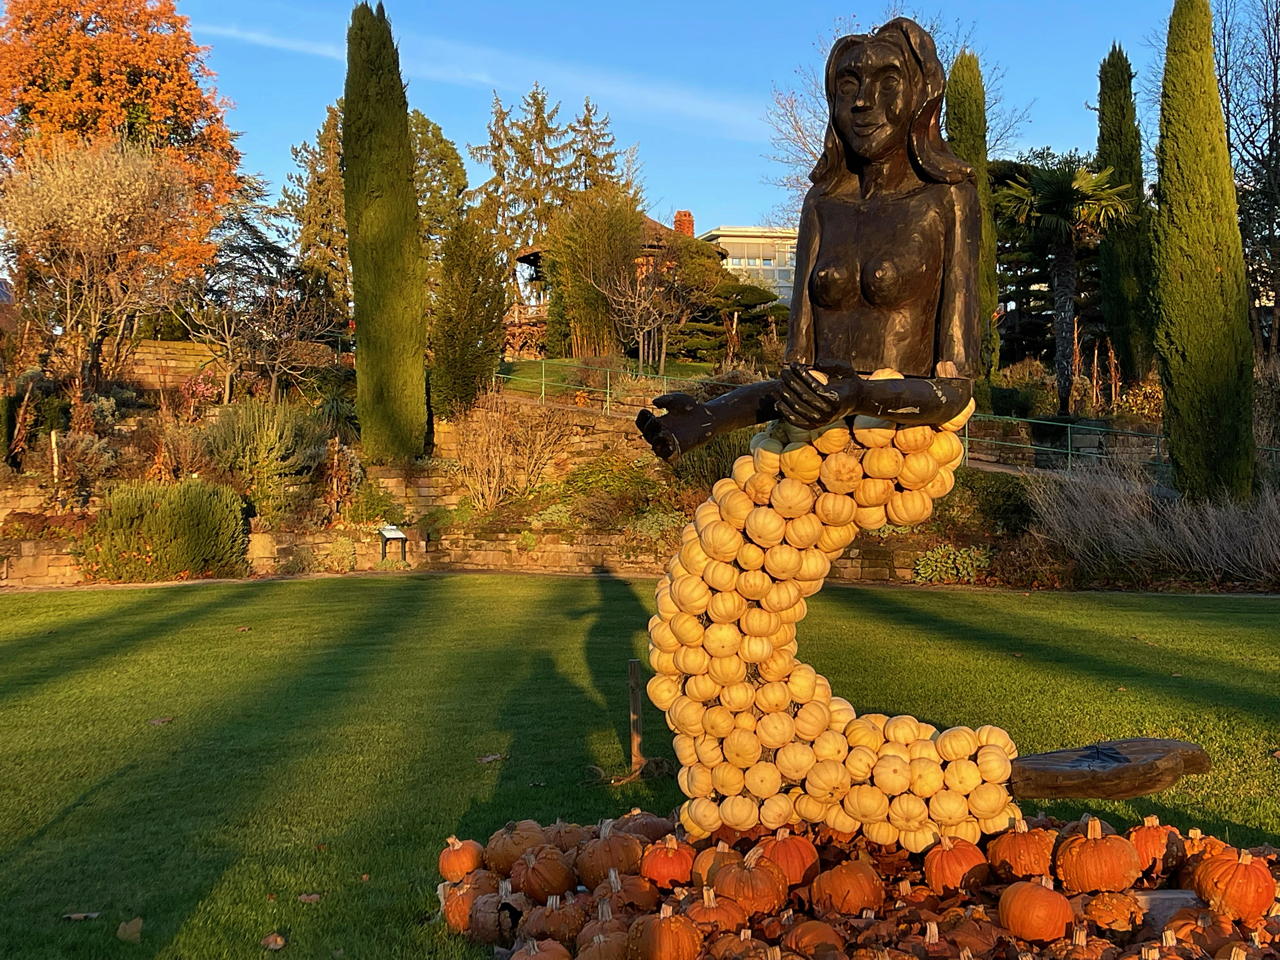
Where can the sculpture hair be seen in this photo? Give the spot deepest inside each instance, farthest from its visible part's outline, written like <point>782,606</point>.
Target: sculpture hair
<point>930,155</point>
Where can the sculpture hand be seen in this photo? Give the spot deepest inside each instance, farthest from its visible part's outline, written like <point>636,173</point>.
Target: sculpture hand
<point>686,424</point>
<point>811,398</point>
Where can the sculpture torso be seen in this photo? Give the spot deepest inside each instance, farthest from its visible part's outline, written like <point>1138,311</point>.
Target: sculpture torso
<point>876,281</point>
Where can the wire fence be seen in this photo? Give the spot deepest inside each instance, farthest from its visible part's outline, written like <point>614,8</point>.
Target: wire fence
<point>1012,441</point>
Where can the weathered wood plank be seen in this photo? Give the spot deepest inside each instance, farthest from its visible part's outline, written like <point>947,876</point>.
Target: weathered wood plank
<point>1114,770</point>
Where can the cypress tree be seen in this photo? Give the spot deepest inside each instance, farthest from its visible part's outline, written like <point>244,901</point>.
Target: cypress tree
<point>1202,322</point>
<point>1124,255</point>
<point>966,102</point>
<point>383,232</point>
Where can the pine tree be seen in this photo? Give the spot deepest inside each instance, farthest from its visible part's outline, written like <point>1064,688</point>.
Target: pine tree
<point>440,182</point>
<point>594,153</point>
<point>1201,300</point>
<point>71,72</point>
<point>467,309</point>
<point>492,199</point>
<point>384,233</point>
<point>538,185</point>
<point>312,199</point>
<point>1124,254</point>
<point>966,101</point>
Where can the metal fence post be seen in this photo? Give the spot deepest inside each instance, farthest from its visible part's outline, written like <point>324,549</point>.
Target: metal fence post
<point>608,388</point>
<point>542,381</point>
<point>1071,446</point>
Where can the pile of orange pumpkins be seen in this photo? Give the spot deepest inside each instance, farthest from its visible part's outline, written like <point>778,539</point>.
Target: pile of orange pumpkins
<point>633,889</point>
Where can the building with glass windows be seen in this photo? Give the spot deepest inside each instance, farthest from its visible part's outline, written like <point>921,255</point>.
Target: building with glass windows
<point>765,256</point>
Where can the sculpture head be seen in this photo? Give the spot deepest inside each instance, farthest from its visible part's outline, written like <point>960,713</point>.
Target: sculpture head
<point>884,96</point>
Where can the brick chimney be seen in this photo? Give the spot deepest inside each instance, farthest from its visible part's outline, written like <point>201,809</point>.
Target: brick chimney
<point>684,222</point>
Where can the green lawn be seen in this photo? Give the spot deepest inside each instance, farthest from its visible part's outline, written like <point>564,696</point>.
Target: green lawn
<point>329,747</point>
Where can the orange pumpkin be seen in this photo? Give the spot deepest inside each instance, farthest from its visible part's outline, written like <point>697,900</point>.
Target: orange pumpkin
<point>1022,853</point>
<point>456,901</point>
<point>668,863</point>
<point>648,826</point>
<point>627,893</point>
<point>460,857</point>
<point>710,860</point>
<point>1235,884</point>
<point>757,884</point>
<point>715,914</point>
<point>557,919</point>
<point>849,887</point>
<point>809,936</point>
<point>605,924</point>
<point>953,865</point>
<point>1201,928</point>
<point>542,950</point>
<point>508,843</point>
<point>664,936</point>
<point>1159,846</point>
<point>604,946</point>
<point>1033,911</point>
<point>542,872</point>
<point>495,916</point>
<point>796,855</point>
<point>566,836</point>
<point>612,849</point>
<point>1091,862</point>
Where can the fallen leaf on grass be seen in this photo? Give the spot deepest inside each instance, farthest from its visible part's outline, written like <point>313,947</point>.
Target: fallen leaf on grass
<point>81,916</point>
<point>364,878</point>
<point>130,931</point>
<point>322,846</point>
<point>271,897</point>
<point>273,941</point>
<point>160,721</point>
<point>309,897</point>
<point>1275,754</point>
<point>491,757</point>
<point>246,630</point>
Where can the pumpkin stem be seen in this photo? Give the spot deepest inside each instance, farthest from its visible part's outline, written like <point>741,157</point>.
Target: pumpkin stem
<point>597,939</point>
<point>1245,858</point>
<point>868,914</point>
<point>1151,821</point>
<point>1020,826</point>
<point>504,889</point>
<point>669,841</point>
<point>615,881</point>
<point>722,847</point>
<point>946,843</point>
<point>753,857</point>
<point>665,912</point>
<point>454,843</point>
<point>606,828</point>
<point>1046,882</point>
<point>966,953</point>
<point>1078,937</point>
<point>1150,952</point>
<point>744,935</point>
<point>708,898</point>
<point>782,833</point>
<point>904,887</point>
<point>1093,830</point>
<point>1195,833</point>
<point>1168,939</point>
<point>931,933</point>
<point>1237,952</point>
<point>604,912</point>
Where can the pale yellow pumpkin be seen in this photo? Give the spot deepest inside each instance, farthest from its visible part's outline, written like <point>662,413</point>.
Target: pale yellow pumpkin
<point>870,518</point>
<point>782,562</point>
<point>873,432</point>
<point>717,721</point>
<point>918,470</point>
<point>812,720</point>
<point>775,730</point>
<point>891,749</point>
<point>763,779</point>
<point>794,760</point>
<point>727,671</point>
<point>827,781</point>
<point>830,745</point>
<point>906,508</point>
<point>926,776</point>
<point>872,492</point>
<point>734,508</point>
<point>967,829</point>
<point>741,748</point>
<point>720,576</point>
<point>772,697</point>
<point>988,800</point>
<point>801,461</point>
<point>765,526</point>
<point>892,775</point>
<point>663,690</point>
<point>701,815</point>
<point>942,484</point>
<point>675,568</point>
<point>791,498</point>
<point>945,447</point>
<point>701,687</point>
<point>722,487</point>
<point>759,488</point>
<point>882,463</point>
<point>756,622</point>
<point>840,473</point>
<point>687,629</point>
<point>809,587</point>
<point>928,732</point>
<point>961,775</point>
<point>662,662</point>
<point>804,532</point>
<point>883,833</point>
<point>662,598</point>
<point>902,729</point>
<point>692,660</point>
<point>860,761</point>
<point>720,541</point>
<point>692,557</point>
<point>866,804</point>
<point>957,743</point>
<point>814,565</point>
<point>907,811</point>
<point>802,683</point>
<point>783,594</point>
<point>739,813</point>
<point>876,719</point>
<point>726,607</point>
<point>821,689</point>
<point>738,696</point>
<point>794,614</point>
<point>919,839</point>
<point>685,752</point>
<point>709,749</point>
<point>727,780</point>
<point>993,763</point>
<point>989,736</point>
<point>695,781</point>
<point>810,808</point>
<point>745,721</point>
<point>743,468</point>
<point>786,635</point>
<point>707,513</point>
<point>1006,819</point>
<point>842,713</point>
<point>688,532</point>
<point>835,540</point>
<point>957,422</point>
<point>721,639</point>
<point>839,821</point>
<point>777,811</point>
<point>913,439</point>
<point>661,636</point>
<point>947,806</point>
<point>832,438</point>
<point>777,666</point>
<point>754,584</point>
<point>863,733</point>
<point>685,716</point>
<point>758,438</point>
<point>755,649</point>
<point>921,749</point>
<point>750,557</point>
<point>767,456</point>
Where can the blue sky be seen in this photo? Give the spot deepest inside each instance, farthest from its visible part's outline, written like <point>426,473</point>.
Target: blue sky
<point>686,81</point>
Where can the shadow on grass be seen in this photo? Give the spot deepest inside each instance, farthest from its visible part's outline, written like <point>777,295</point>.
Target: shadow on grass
<point>154,840</point>
<point>617,616</point>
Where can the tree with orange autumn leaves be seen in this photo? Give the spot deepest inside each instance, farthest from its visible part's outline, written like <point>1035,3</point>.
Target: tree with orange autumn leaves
<point>83,71</point>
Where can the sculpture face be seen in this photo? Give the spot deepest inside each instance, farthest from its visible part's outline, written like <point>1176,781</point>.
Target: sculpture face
<point>871,101</point>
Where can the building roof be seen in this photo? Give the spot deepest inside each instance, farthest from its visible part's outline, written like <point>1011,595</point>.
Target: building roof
<point>744,233</point>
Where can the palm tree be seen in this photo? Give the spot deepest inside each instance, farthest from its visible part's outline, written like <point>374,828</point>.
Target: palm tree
<point>1066,204</point>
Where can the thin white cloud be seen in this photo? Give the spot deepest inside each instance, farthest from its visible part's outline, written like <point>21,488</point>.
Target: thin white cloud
<point>462,64</point>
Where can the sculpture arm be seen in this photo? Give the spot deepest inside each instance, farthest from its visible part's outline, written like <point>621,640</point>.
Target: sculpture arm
<point>809,398</point>
<point>688,424</point>
<point>800,345</point>
<point>960,321</point>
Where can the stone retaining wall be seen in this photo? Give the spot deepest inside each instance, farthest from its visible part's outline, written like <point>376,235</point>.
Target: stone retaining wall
<point>38,563</point>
